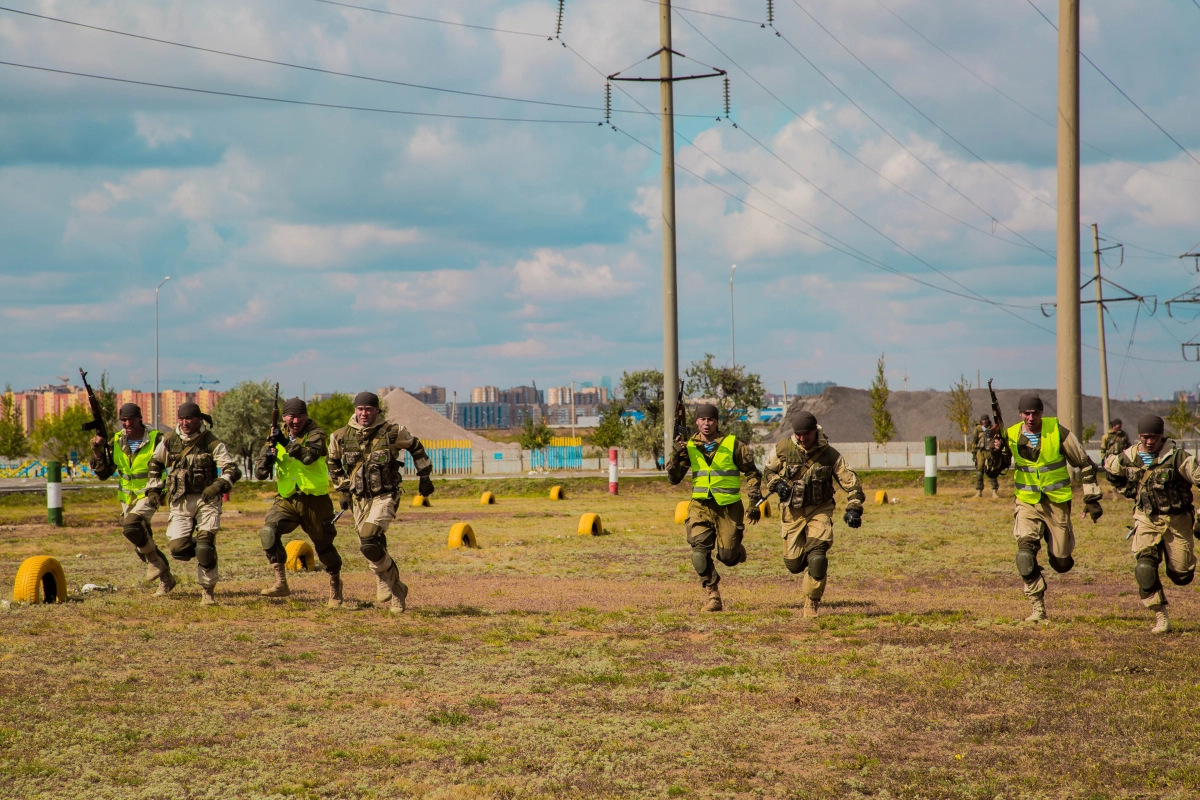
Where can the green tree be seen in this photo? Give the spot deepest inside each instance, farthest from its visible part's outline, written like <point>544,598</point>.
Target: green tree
<point>958,409</point>
<point>884,430</point>
<point>643,390</point>
<point>1089,431</point>
<point>56,437</point>
<point>611,430</point>
<point>535,435</point>
<point>242,420</point>
<point>333,412</point>
<point>13,442</point>
<point>1182,420</point>
<point>736,393</point>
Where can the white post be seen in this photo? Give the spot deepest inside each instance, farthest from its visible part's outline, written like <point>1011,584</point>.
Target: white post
<point>612,470</point>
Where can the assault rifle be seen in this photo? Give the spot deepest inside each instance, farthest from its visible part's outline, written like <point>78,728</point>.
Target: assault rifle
<point>274,424</point>
<point>681,428</point>
<point>97,424</point>
<point>996,434</point>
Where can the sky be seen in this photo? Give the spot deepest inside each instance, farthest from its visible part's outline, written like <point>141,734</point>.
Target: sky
<point>884,182</point>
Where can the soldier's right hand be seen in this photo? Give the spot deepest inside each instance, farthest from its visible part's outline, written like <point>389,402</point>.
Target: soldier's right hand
<point>154,497</point>
<point>345,501</point>
<point>784,491</point>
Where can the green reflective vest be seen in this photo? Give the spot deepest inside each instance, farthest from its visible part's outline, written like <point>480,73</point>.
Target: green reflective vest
<point>1046,476</point>
<point>720,480</point>
<point>292,474</point>
<point>133,472</point>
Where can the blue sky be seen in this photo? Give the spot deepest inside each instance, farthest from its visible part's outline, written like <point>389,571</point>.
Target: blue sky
<point>347,249</point>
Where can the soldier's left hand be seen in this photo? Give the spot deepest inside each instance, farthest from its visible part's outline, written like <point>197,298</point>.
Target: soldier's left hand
<point>425,486</point>
<point>277,437</point>
<point>754,514</point>
<point>1093,509</point>
<point>853,517</point>
<point>212,492</point>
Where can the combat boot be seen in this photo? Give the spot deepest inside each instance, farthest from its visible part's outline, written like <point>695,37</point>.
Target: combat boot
<point>714,600</point>
<point>811,606</point>
<point>978,493</point>
<point>995,495</point>
<point>1039,609</point>
<point>207,598</point>
<point>1162,623</point>
<point>156,563</point>
<point>335,590</point>
<point>280,587</point>
<point>167,583</point>
<point>397,589</point>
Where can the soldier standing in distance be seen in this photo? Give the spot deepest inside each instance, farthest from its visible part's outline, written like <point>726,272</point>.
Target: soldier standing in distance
<point>364,466</point>
<point>1040,450</point>
<point>1115,441</point>
<point>801,470</point>
<point>983,446</point>
<point>129,460</point>
<point>716,512</point>
<point>191,456</point>
<point>1159,476</point>
<point>298,454</point>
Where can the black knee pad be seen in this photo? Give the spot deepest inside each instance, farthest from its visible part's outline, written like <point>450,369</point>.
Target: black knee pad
<point>1146,574</point>
<point>818,565</point>
<point>182,549</point>
<point>206,549</point>
<point>330,558</point>
<point>796,565</point>
<point>1027,566</point>
<point>1180,578</point>
<point>372,542</point>
<point>268,537</point>
<point>1061,564</point>
<point>134,529</point>
<point>702,562</point>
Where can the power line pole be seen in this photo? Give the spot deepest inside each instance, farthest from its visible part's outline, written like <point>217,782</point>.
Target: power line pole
<point>1100,327</point>
<point>666,84</point>
<point>1070,395</point>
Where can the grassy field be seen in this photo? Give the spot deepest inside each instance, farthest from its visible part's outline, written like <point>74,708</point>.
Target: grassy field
<point>549,664</point>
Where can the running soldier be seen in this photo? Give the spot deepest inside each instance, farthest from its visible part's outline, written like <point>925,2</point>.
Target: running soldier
<point>983,447</point>
<point>1115,441</point>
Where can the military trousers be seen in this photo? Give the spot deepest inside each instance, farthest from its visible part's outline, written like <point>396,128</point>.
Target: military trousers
<point>1170,538</point>
<point>980,474</point>
<point>313,514</point>
<point>711,526</point>
<point>1045,521</point>
<point>192,533</point>
<point>808,532</point>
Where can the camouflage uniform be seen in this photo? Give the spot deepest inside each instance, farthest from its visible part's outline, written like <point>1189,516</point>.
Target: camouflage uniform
<point>364,465</point>
<point>1114,443</point>
<point>808,514</point>
<point>983,443</point>
<point>711,525</point>
<point>1163,515</point>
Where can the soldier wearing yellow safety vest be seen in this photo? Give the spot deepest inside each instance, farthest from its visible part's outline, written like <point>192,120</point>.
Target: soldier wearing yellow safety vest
<point>298,455</point>
<point>716,512</point>
<point>128,458</point>
<point>1039,448</point>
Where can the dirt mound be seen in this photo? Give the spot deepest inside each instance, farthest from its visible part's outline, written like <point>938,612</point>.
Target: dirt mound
<point>426,424</point>
<point>845,413</point>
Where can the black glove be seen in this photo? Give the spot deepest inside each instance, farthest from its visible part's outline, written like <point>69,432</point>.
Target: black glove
<point>1092,509</point>
<point>753,514</point>
<point>154,497</point>
<point>345,501</point>
<point>276,437</point>
<point>784,490</point>
<point>425,486</point>
<point>853,517</point>
<point>213,491</point>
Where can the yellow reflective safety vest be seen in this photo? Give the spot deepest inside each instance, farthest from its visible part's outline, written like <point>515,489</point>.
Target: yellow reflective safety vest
<point>133,472</point>
<point>1046,476</point>
<point>721,479</point>
<point>292,474</point>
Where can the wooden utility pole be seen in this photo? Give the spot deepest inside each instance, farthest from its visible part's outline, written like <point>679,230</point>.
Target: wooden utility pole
<point>1070,395</point>
<point>670,288</point>
<point>1100,327</point>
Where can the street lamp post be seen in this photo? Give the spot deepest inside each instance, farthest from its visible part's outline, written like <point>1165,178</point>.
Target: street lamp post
<point>156,394</point>
<point>732,337</point>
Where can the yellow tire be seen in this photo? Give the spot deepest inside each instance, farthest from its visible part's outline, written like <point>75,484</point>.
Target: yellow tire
<point>681,511</point>
<point>765,508</point>
<point>556,493</point>
<point>487,499</point>
<point>461,535</point>
<point>420,501</point>
<point>590,525</point>
<point>881,497</point>
<point>40,579</point>
<point>300,556</point>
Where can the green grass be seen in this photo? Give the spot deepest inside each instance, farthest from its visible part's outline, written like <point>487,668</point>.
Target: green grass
<point>548,664</point>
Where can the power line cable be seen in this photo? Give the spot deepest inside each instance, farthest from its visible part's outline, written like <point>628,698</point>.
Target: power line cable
<point>853,156</point>
<point>1018,103</point>
<point>323,71</point>
<point>913,106</point>
<point>710,14</point>
<point>1113,83</point>
<point>288,101</point>
<point>432,19</point>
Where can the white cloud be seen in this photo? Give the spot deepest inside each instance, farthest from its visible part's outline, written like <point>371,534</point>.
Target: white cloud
<point>331,245</point>
<point>552,275</point>
<point>156,130</point>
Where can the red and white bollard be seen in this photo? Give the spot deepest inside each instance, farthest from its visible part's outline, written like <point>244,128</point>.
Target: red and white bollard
<point>612,470</point>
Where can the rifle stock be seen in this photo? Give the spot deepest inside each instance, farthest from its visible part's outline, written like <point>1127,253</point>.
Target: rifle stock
<point>997,431</point>
<point>681,428</point>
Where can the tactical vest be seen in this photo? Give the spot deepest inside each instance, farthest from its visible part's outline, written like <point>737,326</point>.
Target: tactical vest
<point>721,479</point>
<point>1158,489</point>
<point>369,462</point>
<point>811,477</point>
<point>292,474</point>
<point>133,472</point>
<point>191,467</point>
<point>1047,475</point>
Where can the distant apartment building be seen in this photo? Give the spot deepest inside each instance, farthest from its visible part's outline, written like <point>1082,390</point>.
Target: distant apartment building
<point>808,388</point>
<point>585,395</point>
<point>485,394</point>
<point>430,395</point>
<point>481,416</point>
<point>53,400</point>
